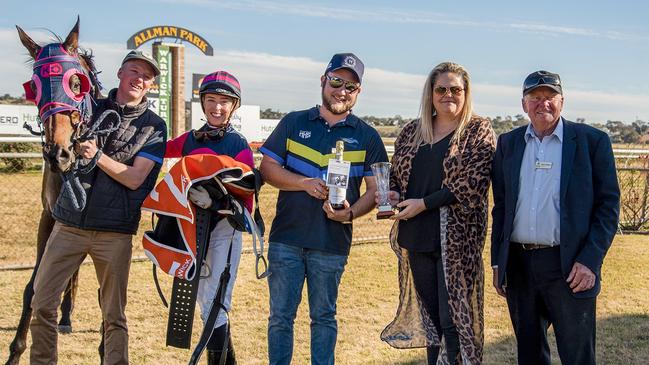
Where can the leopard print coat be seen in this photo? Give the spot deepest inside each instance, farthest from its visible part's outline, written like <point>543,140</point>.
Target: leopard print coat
<point>467,168</point>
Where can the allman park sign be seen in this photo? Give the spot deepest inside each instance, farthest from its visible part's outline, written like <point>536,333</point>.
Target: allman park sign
<point>169,31</point>
<point>166,97</point>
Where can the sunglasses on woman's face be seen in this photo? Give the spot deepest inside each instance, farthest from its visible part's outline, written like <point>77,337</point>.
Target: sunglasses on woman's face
<point>455,90</point>
<point>336,82</point>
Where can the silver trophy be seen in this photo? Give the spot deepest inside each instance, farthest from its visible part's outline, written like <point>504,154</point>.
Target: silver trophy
<point>381,171</point>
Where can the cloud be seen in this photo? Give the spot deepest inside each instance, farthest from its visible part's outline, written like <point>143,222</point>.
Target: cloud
<point>594,106</point>
<point>291,83</point>
<point>14,64</point>
<point>394,15</point>
<point>582,32</point>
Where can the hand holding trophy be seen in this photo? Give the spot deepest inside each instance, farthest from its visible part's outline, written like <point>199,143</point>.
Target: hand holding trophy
<point>381,171</point>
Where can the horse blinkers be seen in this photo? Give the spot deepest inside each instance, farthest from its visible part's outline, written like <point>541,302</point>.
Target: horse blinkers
<point>59,86</point>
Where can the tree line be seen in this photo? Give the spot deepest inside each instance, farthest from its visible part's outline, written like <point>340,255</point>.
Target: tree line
<point>8,99</point>
<point>636,132</point>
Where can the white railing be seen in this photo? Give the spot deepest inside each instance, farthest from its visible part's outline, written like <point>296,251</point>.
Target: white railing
<point>619,152</point>
<point>624,151</point>
<point>20,139</point>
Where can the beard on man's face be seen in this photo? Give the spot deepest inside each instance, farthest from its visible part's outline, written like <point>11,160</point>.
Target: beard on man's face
<point>336,107</point>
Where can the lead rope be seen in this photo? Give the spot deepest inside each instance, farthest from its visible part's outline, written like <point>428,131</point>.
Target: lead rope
<point>72,188</point>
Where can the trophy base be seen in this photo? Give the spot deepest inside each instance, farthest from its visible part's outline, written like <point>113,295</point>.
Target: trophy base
<point>384,213</point>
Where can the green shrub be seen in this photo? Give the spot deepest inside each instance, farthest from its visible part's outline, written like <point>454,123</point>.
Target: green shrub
<point>14,164</point>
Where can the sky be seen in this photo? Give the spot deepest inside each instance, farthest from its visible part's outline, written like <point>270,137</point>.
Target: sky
<point>278,49</point>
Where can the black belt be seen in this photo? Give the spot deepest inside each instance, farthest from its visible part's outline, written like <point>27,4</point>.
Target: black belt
<point>532,246</point>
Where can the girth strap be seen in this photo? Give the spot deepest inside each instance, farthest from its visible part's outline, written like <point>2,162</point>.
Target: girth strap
<point>183,292</point>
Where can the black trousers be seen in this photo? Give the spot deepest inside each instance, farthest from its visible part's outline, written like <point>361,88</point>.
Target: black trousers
<point>539,296</point>
<point>428,277</point>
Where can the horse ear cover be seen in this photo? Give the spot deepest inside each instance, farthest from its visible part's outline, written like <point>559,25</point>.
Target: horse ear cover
<point>72,40</point>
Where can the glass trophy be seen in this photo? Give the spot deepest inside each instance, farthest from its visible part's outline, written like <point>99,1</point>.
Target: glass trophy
<point>381,171</point>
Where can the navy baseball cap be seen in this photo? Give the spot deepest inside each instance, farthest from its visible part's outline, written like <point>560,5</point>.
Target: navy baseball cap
<point>542,79</point>
<point>348,61</point>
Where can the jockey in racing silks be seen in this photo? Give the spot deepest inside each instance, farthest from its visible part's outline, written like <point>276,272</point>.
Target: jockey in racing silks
<point>220,96</point>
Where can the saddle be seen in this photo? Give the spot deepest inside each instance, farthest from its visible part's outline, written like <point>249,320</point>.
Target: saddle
<point>178,243</point>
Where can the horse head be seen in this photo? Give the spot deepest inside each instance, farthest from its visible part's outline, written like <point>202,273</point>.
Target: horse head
<point>63,81</point>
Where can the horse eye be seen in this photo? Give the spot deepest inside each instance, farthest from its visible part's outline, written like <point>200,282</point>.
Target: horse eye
<point>32,86</point>
<point>75,84</point>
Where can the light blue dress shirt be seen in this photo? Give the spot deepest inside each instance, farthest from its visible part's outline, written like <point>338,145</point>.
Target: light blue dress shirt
<point>537,217</point>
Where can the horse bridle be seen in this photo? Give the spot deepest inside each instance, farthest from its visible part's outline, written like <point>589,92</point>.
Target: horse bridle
<point>50,90</point>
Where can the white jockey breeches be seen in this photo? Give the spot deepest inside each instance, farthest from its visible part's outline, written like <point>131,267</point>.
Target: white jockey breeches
<point>217,256</point>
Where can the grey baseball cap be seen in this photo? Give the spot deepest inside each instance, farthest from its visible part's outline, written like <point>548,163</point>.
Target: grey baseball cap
<point>142,56</point>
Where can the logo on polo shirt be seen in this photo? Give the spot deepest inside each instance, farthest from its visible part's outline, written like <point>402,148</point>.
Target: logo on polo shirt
<point>305,134</point>
<point>350,141</point>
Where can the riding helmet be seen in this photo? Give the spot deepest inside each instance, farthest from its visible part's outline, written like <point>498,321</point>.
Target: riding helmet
<point>221,82</point>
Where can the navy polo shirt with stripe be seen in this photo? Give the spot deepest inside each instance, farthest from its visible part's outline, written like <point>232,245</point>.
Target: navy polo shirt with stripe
<point>302,143</point>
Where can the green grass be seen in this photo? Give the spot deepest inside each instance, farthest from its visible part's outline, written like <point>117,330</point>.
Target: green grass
<point>367,301</point>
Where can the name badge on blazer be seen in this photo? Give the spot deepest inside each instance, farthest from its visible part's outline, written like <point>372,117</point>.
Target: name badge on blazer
<point>543,165</point>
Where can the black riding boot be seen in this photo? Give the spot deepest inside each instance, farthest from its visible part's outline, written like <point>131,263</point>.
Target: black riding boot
<point>215,347</point>
<point>214,357</point>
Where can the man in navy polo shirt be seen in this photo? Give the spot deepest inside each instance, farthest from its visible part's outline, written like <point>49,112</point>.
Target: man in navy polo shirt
<point>309,239</point>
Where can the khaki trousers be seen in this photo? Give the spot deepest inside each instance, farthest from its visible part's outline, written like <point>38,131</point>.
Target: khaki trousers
<point>66,249</point>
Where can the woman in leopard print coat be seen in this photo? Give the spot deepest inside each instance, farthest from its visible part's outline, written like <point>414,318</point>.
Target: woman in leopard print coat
<point>465,173</point>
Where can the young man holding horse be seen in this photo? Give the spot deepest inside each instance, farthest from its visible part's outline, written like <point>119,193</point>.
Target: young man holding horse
<point>128,162</point>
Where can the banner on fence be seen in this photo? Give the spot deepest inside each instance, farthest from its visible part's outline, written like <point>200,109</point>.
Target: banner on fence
<point>12,118</point>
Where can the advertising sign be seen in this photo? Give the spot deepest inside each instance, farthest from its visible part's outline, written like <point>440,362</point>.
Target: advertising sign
<point>12,118</point>
<point>196,84</point>
<point>164,85</point>
<point>152,97</point>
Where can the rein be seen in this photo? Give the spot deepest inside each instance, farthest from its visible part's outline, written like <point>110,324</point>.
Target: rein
<point>72,187</point>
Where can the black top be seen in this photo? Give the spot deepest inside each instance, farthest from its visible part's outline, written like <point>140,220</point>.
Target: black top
<point>422,232</point>
<point>111,206</point>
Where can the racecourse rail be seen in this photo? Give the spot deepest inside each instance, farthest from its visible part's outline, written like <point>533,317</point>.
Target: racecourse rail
<point>21,205</point>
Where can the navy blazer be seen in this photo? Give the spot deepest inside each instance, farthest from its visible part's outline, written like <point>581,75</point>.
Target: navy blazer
<point>589,198</point>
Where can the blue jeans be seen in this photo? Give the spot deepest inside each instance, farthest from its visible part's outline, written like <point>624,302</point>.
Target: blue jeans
<point>289,265</point>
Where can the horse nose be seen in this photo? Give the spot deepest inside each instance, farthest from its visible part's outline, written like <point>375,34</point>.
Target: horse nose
<point>62,156</point>
<point>51,153</point>
<point>59,158</point>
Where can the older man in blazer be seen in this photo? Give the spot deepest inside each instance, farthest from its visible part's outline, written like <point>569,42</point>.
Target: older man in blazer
<point>556,207</point>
